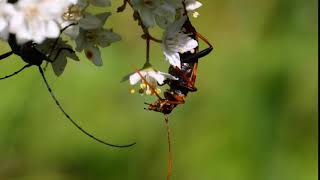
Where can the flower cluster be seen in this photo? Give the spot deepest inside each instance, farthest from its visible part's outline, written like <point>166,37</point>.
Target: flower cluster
<point>44,21</point>
<point>33,20</point>
<point>169,15</point>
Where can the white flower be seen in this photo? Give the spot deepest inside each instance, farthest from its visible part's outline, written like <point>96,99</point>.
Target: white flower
<point>90,40</point>
<point>175,41</point>
<point>192,5</point>
<point>36,20</point>
<point>78,18</point>
<point>5,13</point>
<point>153,78</point>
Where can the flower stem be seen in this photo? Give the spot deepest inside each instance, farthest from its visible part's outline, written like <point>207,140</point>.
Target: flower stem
<point>148,50</point>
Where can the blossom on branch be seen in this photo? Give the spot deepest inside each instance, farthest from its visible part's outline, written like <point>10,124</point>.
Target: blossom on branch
<point>151,76</point>
<point>75,17</point>
<point>175,41</point>
<point>192,5</point>
<point>91,40</point>
<point>6,10</point>
<point>36,20</point>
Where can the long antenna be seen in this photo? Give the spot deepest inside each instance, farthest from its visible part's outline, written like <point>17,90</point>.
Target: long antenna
<point>3,56</point>
<point>170,155</point>
<point>17,72</point>
<point>74,122</point>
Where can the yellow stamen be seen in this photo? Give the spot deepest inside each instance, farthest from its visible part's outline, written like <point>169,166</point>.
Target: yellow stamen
<point>132,91</point>
<point>148,92</point>
<point>158,91</point>
<point>143,86</point>
<point>196,14</point>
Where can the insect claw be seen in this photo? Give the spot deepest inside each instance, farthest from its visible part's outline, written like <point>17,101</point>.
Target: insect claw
<point>147,109</point>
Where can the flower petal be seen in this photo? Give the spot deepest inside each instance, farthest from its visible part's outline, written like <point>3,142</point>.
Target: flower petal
<point>173,58</point>
<point>90,22</point>
<point>190,44</point>
<point>59,64</point>
<point>192,5</point>
<point>107,37</point>
<point>157,76</point>
<point>135,77</point>
<point>147,17</point>
<point>94,55</point>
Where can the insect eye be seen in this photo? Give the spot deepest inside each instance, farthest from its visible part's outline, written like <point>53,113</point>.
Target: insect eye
<point>33,44</point>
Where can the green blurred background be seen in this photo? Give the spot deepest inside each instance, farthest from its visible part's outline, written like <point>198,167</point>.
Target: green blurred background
<point>254,117</point>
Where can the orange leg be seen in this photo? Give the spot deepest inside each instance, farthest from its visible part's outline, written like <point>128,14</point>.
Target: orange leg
<point>193,77</point>
<point>204,39</point>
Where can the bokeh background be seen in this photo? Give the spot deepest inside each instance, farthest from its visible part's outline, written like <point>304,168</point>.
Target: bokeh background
<point>254,117</point>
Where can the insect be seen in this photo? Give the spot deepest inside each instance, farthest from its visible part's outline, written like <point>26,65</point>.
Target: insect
<point>29,53</point>
<point>180,88</point>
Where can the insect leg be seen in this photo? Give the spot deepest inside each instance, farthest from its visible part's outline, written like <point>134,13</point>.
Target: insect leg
<point>123,7</point>
<point>57,39</point>
<point>5,55</point>
<point>55,44</point>
<point>73,121</point>
<point>17,72</point>
<point>193,77</point>
<point>63,49</point>
<point>174,102</point>
<point>58,53</point>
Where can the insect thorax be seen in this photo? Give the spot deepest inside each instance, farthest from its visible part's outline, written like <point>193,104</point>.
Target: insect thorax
<point>26,51</point>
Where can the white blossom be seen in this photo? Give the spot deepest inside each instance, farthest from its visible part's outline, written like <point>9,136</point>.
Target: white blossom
<point>176,41</point>
<point>151,76</point>
<point>91,40</point>
<point>36,20</point>
<point>5,13</point>
<point>192,5</point>
<point>75,18</point>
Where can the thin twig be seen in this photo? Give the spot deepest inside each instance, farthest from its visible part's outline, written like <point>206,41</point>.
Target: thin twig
<point>148,51</point>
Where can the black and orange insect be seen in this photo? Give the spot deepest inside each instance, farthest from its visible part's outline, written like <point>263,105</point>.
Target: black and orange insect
<point>29,53</point>
<point>180,88</point>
